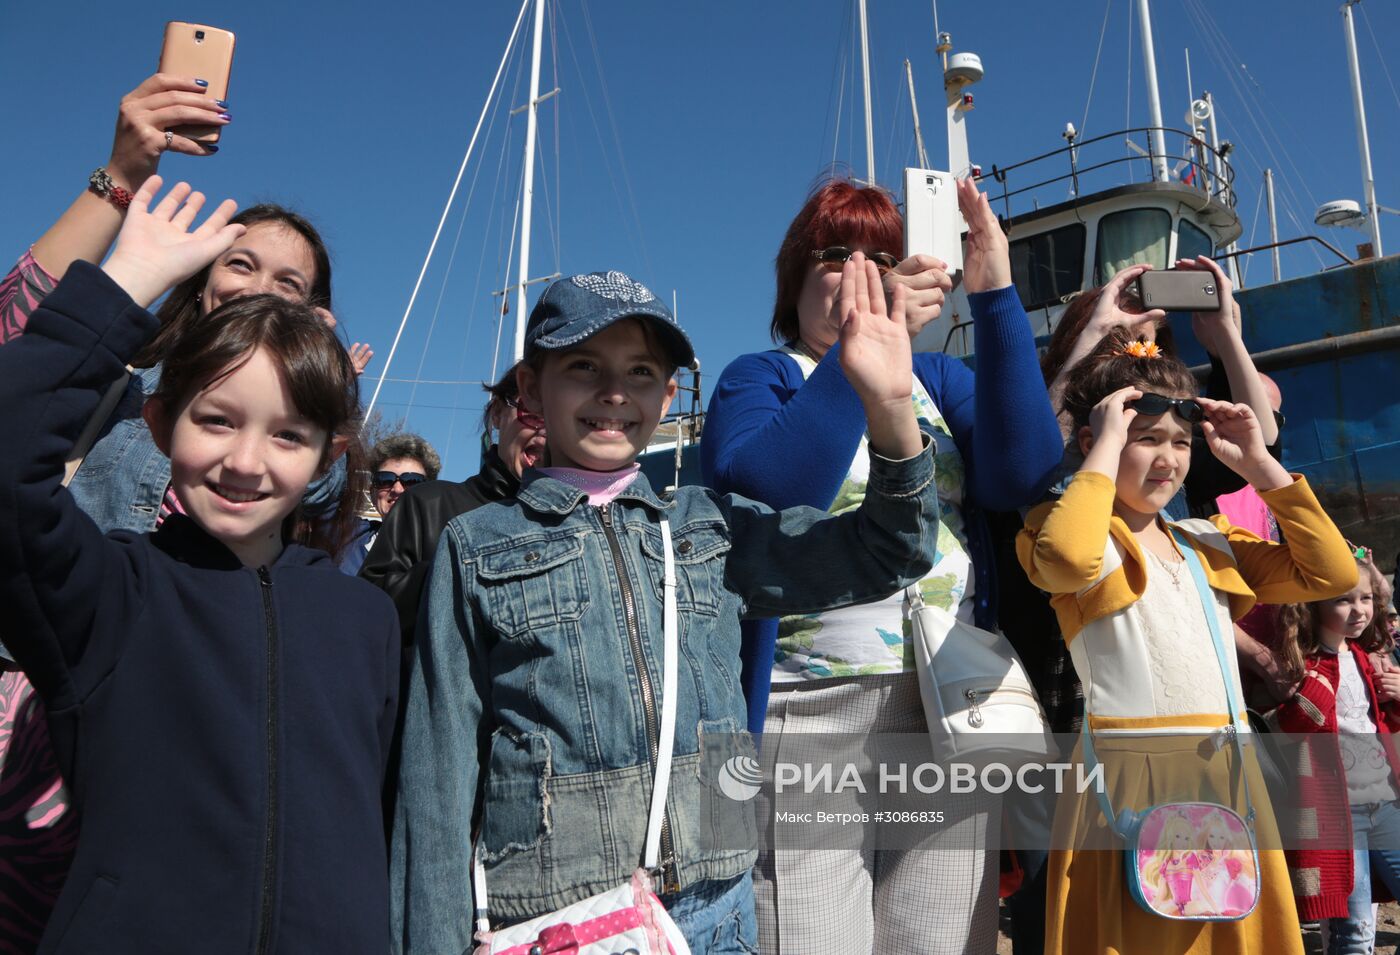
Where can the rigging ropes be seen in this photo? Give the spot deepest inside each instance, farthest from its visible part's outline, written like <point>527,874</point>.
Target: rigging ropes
<point>525,5</point>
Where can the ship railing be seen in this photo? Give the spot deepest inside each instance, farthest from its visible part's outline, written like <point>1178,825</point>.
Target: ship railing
<point>1196,166</point>
<point>1346,259</point>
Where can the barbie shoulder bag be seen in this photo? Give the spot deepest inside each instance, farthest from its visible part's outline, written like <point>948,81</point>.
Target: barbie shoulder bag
<point>1191,861</point>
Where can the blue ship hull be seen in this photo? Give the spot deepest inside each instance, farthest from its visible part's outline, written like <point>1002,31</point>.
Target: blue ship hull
<point>1331,341</point>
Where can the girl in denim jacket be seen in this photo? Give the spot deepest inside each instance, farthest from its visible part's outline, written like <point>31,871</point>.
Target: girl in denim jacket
<point>531,721</point>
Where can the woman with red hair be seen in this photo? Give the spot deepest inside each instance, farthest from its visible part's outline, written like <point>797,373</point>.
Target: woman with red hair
<point>786,428</point>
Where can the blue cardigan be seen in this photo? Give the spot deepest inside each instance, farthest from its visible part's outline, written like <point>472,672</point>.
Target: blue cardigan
<point>775,438</point>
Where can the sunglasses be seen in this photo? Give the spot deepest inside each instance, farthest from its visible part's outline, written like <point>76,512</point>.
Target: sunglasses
<point>838,254</point>
<point>1153,404</point>
<point>526,417</point>
<point>386,479</point>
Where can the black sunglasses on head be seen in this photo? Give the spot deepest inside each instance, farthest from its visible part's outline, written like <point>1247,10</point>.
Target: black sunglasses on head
<point>386,479</point>
<point>1153,404</point>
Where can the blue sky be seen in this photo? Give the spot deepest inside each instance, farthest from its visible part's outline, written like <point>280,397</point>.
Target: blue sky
<point>686,137</point>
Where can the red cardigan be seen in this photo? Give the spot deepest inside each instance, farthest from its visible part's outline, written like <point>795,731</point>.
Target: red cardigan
<point>1322,877</point>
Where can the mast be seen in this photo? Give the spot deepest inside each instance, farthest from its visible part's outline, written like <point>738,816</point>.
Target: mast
<point>869,120</point>
<point>1154,99</point>
<point>528,185</point>
<point>1273,222</point>
<point>1363,142</point>
<point>914,106</point>
<point>1231,268</point>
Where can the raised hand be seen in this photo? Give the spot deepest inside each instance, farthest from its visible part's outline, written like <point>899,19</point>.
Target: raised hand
<point>1232,433</point>
<point>162,101</point>
<point>986,260</point>
<point>156,249</point>
<point>926,282</point>
<point>360,354</point>
<point>1214,329</point>
<point>1109,420</point>
<point>1109,312</point>
<point>876,358</point>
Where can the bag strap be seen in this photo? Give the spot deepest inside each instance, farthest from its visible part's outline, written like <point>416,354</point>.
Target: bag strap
<point>1231,730</point>
<point>661,775</point>
<point>88,437</point>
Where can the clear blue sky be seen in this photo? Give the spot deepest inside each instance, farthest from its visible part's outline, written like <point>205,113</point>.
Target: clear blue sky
<point>687,136</point>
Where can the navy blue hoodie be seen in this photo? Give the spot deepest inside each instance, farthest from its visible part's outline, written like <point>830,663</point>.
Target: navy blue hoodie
<point>222,729</point>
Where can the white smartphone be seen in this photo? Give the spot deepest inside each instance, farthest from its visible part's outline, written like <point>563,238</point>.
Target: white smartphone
<point>933,224</point>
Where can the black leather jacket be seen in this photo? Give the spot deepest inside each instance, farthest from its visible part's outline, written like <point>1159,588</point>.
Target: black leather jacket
<point>402,555</point>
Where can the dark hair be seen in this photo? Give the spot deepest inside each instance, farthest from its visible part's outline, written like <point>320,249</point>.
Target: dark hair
<point>1298,624</point>
<point>313,365</point>
<point>504,393</point>
<point>837,213</point>
<point>182,306</point>
<point>405,445</point>
<point>1071,325</point>
<point>1109,367</point>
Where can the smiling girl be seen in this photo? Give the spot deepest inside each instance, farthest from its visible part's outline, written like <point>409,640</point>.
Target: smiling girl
<point>1140,639</point>
<point>1329,647</point>
<point>532,726</point>
<point>221,699</point>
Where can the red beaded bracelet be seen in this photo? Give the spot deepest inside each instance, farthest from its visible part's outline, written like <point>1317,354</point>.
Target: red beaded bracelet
<point>101,184</point>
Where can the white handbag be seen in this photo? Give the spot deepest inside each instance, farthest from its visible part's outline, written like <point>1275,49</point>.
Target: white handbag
<point>978,701</point>
<point>629,918</point>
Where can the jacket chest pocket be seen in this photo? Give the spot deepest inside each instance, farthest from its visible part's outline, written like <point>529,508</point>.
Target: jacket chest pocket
<point>534,584</point>
<point>701,551</point>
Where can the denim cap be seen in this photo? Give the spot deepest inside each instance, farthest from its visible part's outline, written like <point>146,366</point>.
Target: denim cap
<point>574,309</point>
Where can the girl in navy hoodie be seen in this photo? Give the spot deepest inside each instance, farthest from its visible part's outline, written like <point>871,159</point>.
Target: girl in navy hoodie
<point>220,698</point>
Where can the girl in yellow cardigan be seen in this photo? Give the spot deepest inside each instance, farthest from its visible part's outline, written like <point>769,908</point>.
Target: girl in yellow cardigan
<point>1141,644</point>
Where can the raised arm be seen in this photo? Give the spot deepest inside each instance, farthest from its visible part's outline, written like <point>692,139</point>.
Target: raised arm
<point>87,228</point>
<point>57,567</point>
<point>1000,415</point>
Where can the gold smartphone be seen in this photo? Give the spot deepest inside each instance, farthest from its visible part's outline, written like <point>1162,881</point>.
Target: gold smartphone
<point>203,52</point>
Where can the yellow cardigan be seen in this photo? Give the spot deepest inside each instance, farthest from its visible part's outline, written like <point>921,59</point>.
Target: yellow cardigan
<point>1062,548</point>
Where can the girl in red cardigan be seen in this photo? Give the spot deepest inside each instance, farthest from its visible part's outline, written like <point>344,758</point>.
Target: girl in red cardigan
<point>1328,646</point>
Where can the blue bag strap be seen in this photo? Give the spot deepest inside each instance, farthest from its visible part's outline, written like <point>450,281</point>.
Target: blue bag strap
<point>1232,730</point>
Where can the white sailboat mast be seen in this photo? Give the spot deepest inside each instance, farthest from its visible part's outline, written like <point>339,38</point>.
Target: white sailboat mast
<point>1154,99</point>
<point>1363,141</point>
<point>528,184</point>
<point>869,120</point>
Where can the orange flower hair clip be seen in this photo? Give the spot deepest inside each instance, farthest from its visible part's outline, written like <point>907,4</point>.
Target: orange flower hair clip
<point>1141,349</point>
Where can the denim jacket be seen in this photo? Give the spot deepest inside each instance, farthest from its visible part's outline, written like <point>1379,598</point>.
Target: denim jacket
<point>124,476</point>
<point>526,709</point>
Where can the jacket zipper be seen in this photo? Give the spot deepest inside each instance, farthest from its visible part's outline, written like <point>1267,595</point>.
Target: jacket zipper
<point>670,883</point>
<point>270,835</point>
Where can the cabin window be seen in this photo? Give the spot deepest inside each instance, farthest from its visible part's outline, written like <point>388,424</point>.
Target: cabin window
<point>1191,241</point>
<point>1048,266</point>
<point>1129,238</point>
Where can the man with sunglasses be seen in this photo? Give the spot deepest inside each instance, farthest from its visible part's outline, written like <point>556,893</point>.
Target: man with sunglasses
<point>396,463</point>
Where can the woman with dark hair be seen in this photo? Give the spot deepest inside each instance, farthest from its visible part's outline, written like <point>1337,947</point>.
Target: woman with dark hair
<point>785,427</point>
<point>402,554</point>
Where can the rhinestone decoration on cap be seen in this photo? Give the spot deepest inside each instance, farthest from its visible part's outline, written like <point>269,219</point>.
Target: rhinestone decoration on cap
<point>615,285</point>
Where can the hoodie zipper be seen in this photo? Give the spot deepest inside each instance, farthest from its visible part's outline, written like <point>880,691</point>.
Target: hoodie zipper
<point>670,883</point>
<point>270,833</point>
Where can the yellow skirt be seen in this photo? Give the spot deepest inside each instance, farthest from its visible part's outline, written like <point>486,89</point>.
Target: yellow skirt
<point>1089,907</point>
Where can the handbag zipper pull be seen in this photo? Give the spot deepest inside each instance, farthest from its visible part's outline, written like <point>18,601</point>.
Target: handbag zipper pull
<point>974,712</point>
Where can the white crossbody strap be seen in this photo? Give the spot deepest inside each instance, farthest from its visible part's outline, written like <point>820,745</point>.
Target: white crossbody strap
<point>661,780</point>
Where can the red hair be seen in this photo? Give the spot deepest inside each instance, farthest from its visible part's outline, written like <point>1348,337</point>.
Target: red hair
<point>837,213</point>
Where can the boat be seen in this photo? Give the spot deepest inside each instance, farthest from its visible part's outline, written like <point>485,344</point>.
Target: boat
<point>1330,339</point>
